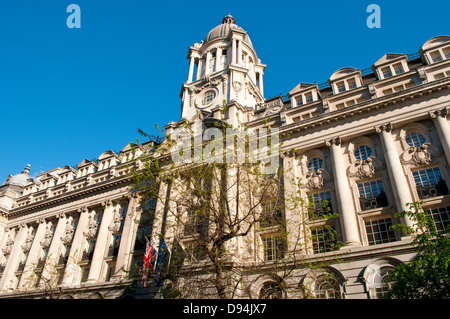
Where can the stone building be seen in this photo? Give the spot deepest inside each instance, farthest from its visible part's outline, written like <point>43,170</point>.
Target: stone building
<point>368,142</point>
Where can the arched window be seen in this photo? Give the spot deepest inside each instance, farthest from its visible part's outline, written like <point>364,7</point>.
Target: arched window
<point>382,286</point>
<point>271,290</point>
<point>415,139</point>
<point>327,287</point>
<point>315,164</point>
<point>363,152</point>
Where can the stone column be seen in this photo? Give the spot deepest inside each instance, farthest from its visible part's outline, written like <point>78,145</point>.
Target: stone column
<point>239,52</point>
<point>26,281</point>
<point>399,182</point>
<point>14,258</point>
<point>100,245</point>
<point>443,129</point>
<point>233,51</point>
<point>73,270</point>
<point>53,251</point>
<point>124,253</point>
<point>208,62</point>
<point>347,212</point>
<point>218,57</point>
<point>199,69</point>
<point>260,84</point>
<point>191,70</point>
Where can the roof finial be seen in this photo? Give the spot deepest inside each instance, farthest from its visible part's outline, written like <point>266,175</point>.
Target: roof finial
<point>27,169</point>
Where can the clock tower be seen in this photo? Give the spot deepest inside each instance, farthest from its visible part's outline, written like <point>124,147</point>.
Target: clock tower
<point>222,68</point>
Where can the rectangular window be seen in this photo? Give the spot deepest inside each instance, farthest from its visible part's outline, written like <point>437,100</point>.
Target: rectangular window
<point>299,101</point>
<point>372,195</point>
<point>441,217</point>
<point>379,232</point>
<point>436,56</point>
<point>429,182</point>
<point>320,204</point>
<point>273,248</point>
<point>387,73</point>
<point>398,68</point>
<point>323,239</point>
<point>309,97</point>
<point>447,52</point>
<point>351,84</point>
<point>340,86</point>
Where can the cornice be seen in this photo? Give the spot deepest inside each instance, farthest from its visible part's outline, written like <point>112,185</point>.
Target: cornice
<point>69,196</point>
<point>368,106</point>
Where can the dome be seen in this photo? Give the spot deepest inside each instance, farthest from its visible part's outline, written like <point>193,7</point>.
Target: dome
<point>19,179</point>
<point>223,30</point>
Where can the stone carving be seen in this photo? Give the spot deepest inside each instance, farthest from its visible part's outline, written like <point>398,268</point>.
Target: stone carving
<point>92,229</point>
<point>45,243</point>
<point>68,233</point>
<point>314,179</point>
<point>114,228</point>
<point>237,86</point>
<point>28,242</point>
<point>8,247</point>
<point>419,155</point>
<point>365,168</point>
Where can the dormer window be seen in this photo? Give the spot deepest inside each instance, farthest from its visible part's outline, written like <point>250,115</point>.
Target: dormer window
<point>391,64</point>
<point>345,79</point>
<point>436,49</point>
<point>304,93</point>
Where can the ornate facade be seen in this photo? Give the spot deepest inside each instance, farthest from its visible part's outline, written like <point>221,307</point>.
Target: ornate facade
<point>367,143</point>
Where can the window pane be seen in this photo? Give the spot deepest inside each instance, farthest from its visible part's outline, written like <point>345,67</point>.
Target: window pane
<point>315,164</point>
<point>323,239</point>
<point>320,204</point>
<point>429,182</point>
<point>441,217</point>
<point>415,139</point>
<point>398,68</point>
<point>379,232</point>
<point>363,152</point>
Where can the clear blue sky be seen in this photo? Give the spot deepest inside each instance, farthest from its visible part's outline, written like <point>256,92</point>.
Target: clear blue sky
<point>69,94</point>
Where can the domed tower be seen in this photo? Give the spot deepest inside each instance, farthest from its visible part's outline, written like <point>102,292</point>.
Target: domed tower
<point>13,187</point>
<point>223,67</point>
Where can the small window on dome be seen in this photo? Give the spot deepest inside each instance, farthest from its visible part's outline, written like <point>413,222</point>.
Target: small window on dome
<point>208,97</point>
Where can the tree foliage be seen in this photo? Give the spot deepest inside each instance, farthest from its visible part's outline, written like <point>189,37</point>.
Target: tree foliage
<point>427,276</point>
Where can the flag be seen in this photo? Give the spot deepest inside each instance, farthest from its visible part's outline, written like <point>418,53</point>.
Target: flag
<point>149,259</point>
<point>162,261</point>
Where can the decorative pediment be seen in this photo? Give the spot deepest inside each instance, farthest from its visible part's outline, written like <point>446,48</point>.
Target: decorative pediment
<point>390,57</point>
<point>302,87</point>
